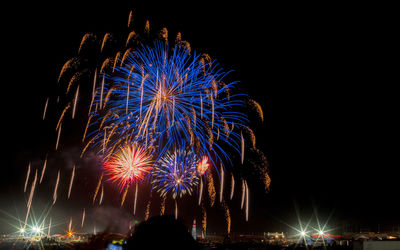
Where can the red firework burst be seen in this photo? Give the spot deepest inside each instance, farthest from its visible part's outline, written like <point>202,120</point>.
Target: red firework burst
<point>130,164</point>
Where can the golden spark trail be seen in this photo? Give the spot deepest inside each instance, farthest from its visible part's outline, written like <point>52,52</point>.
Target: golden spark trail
<point>247,202</point>
<point>201,190</point>
<point>242,147</point>
<point>43,170</point>
<point>130,19</point>
<point>101,194</point>
<point>136,193</point>
<point>70,224</point>
<point>162,207</point>
<point>101,92</point>
<point>87,145</point>
<point>252,137</point>
<point>84,38</point>
<point>27,176</point>
<point>127,52</point>
<point>71,182</point>
<point>258,108</point>
<point>86,128</point>
<point>211,189</point>
<point>45,108</point>
<point>62,115</point>
<point>94,85</point>
<point>124,195</point>
<point>75,101</point>
<point>232,186</point>
<point>221,189</point>
<point>56,187</point>
<point>66,66</point>
<point>30,198</point>
<point>58,137</point>
<point>131,35</point>
<point>147,27</point>
<point>204,220</point>
<point>227,217</point>
<point>147,213</point>
<point>243,194</point>
<point>106,37</point>
<point>74,78</point>
<point>97,188</point>
<point>116,60</point>
<point>83,217</point>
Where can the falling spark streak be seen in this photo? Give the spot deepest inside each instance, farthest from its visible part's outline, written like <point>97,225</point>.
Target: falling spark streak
<point>75,101</point>
<point>162,207</point>
<point>30,198</point>
<point>71,182</point>
<point>201,190</point>
<point>211,189</point>
<point>101,195</point>
<point>58,136</point>
<point>124,195</point>
<point>232,186</point>
<point>56,187</point>
<point>227,216</point>
<point>97,188</point>
<point>147,213</point>
<point>247,202</point>
<point>94,84</point>
<point>83,217</point>
<point>221,190</point>
<point>243,194</point>
<point>45,108</point>
<point>48,230</point>
<point>242,146</point>
<point>204,220</point>
<point>101,92</point>
<point>136,193</point>
<point>43,170</point>
<point>70,224</point>
<point>27,176</point>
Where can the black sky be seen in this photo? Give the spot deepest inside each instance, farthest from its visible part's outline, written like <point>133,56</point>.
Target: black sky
<point>323,75</point>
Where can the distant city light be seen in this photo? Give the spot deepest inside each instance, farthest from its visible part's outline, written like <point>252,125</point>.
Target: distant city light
<point>36,229</point>
<point>22,230</point>
<point>303,233</point>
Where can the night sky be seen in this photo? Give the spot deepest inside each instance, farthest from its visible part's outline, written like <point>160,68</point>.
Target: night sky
<point>321,74</point>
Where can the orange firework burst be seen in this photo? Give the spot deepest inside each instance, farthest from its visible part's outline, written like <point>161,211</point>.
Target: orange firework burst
<point>131,163</point>
<point>203,166</point>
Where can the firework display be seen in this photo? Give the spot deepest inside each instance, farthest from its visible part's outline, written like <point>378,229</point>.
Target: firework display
<point>159,116</point>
